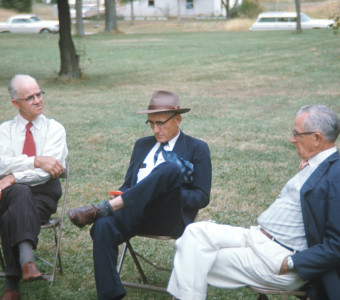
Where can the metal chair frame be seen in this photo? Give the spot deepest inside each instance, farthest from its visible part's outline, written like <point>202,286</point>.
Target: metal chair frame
<point>262,293</point>
<point>136,256</point>
<point>55,223</point>
<point>146,286</point>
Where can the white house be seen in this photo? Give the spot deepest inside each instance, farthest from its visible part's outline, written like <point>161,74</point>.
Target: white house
<point>167,8</point>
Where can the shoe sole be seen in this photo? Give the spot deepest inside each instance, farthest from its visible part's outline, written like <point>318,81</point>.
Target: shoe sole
<point>38,277</point>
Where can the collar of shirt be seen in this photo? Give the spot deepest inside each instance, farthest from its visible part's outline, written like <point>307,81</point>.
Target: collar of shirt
<point>22,122</point>
<point>171,144</point>
<point>320,157</point>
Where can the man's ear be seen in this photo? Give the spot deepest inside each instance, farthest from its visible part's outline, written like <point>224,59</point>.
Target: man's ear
<point>178,119</point>
<point>318,138</point>
<point>15,103</point>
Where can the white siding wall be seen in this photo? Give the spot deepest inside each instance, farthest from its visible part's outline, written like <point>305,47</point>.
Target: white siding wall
<point>167,8</point>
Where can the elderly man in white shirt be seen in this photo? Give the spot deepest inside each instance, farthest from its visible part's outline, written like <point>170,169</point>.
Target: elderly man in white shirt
<point>296,240</point>
<point>32,156</point>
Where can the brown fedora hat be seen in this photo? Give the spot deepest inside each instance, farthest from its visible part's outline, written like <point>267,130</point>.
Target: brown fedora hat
<point>164,101</point>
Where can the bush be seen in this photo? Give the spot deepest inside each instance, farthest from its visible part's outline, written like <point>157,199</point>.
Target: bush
<point>18,5</point>
<point>248,9</point>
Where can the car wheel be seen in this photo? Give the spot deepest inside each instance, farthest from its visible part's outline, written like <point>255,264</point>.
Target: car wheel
<point>44,31</point>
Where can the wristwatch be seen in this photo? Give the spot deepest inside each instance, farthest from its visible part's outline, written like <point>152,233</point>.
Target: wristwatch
<point>290,263</point>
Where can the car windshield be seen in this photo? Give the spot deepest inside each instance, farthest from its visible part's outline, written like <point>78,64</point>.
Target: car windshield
<point>305,18</point>
<point>35,19</point>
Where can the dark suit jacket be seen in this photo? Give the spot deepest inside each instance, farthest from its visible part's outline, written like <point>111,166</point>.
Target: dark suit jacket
<point>195,195</point>
<point>320,203</point>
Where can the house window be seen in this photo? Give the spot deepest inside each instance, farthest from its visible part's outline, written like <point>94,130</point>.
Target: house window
<point>190,4</point>
<point>151,3</point>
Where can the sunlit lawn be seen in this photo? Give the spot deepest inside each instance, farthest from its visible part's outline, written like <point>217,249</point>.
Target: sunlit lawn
<point>243,88</point>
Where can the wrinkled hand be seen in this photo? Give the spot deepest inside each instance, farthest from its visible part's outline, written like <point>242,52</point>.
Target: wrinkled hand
<point>284,268</point>
<point>50,165</point>
<point>5,182</point>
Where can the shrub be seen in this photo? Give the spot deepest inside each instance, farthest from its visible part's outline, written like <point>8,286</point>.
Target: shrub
<point>248,9</point>
<point>18,5</point>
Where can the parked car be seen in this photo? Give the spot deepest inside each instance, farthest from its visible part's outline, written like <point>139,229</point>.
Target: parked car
<point>29,24</point>
<point>88,11</point>
<point>287,21</point>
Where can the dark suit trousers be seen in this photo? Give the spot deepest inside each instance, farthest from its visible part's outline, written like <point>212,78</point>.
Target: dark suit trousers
<point>22,210</point>
<point>152,206</point>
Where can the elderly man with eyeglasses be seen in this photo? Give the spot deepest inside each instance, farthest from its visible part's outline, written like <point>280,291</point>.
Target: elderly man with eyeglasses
<point>167,182</point>
<point>297,239</point>
<point>32,156</point>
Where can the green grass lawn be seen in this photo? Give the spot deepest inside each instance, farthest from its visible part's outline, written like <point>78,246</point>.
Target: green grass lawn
<point>244,89</point>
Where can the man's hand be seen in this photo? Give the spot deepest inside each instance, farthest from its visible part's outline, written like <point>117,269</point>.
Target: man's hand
<point>284,268</point>
<point>5,182</point>
<point>50,165</point>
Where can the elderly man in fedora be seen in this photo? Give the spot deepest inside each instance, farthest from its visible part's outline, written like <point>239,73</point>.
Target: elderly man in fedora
<point>167,182</point>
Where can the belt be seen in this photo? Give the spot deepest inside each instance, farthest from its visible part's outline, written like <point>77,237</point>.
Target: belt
<point>276,241</point>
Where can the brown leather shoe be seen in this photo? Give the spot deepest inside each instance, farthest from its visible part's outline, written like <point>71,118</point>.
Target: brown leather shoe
<point>10,294</point>
<point>82,216</point>
<point>30,272</point>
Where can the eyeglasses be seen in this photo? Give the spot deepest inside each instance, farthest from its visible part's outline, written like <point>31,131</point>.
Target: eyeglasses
<point>159,124</point>
<point>295,133</point>
<point>32,97</point>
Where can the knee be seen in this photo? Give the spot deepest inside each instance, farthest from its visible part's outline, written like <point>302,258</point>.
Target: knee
<point>170,170</point>
<point>18,193</point>
<point>194,231</point>
<point>103,229</point>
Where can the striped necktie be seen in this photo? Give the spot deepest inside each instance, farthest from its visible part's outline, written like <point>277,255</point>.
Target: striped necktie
<point>186,167</point>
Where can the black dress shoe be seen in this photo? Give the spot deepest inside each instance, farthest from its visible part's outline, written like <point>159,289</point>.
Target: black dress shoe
<point>82,216</point>
<point>10,294</point>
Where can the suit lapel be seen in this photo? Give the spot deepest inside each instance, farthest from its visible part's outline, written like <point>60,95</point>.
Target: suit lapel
<point>318,174</point>
<point>180,146</point>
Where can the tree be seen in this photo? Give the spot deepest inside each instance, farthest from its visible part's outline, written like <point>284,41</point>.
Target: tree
<point>229,11</point>
<point>79,17</point>
<point>110,16</point>
<point>298,16</point>
<point>69,66</point>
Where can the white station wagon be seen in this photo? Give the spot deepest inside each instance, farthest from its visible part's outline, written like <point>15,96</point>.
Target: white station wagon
<point>287,21</point>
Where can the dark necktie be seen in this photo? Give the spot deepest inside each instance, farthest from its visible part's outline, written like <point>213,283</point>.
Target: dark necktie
<point>160,148</point>
<point>186,167</point>
<point>29,145</point>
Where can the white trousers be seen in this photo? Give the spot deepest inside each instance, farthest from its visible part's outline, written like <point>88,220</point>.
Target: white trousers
<point>227,257</point>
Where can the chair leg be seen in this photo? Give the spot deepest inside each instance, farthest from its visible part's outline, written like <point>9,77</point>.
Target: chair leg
<point>2,261</point>
<point>135,259</point>
<point>57,244</point>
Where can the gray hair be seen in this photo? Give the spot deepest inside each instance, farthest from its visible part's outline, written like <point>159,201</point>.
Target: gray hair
<point>321,119</point>
<point>16,81</point>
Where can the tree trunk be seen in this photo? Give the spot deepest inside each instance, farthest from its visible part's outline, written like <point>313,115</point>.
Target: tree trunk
<point>132,15</point>
<point>69,59</point>
<point>79,17</point>
<point>110,16</point>
<point>179,11</point>
<point>298,16</point>
<point>228,12</point>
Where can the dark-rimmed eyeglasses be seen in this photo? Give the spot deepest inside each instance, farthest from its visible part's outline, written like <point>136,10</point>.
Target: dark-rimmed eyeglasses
<point>159,124</point>
<point>295,133</point>
<point>32,97</point>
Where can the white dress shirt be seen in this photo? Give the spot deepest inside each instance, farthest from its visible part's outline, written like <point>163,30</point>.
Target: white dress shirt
<point>50,140</point>
<point>149,159</point>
